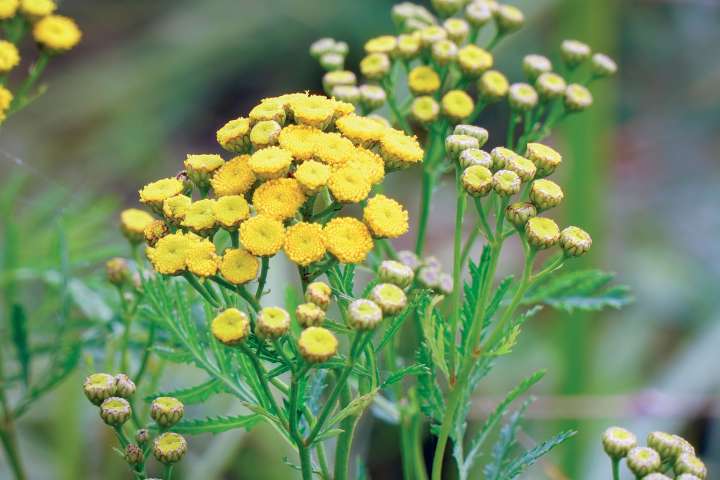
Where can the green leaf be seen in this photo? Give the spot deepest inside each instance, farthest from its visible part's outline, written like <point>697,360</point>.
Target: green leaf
<point>586,290</point>
<point>432,402</point>
<point>18,325</point>
<point>192,395</point>
<point>433,332</point>
<point>395,325</point>
<point>520,464</point>
<point>505,444</point>
<point>356,407</point>
<point>215,424</point>
<point>173,355</point>
<point>414,370</point>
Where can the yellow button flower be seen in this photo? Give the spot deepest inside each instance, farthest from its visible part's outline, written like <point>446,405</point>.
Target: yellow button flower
<point>349,185</point>
<point>155,193</point>
<point>203,164</point>
<point>273,322</point>
<point>154,231</point>
<point>8,8</point>
<point>201,259</point>
<point>231,210</point>
<point>234,178</point>
<point>474,60</point>
<point>312,176</point>
<point>423,80</point>
<point>375,66</point>
<point>5,100</point>
<point>231,327</point>
<point>457,105</point>
<point>546,159</point>
<point>334,149</point>
<point>280,198</point>
<point>382,44</point>
<point>317,344</point>
<point>385,217</point>
<point>314,110</point>
<point>370,163</point>
<point>234,135</point>
<point>348,239</point>
<point>199,217</point>
<point>425,109</point>
<point>270,109</point>
<point>400,151</point>
<point>304,244</point>
<point>542,232</point>
<point>238,266</point>
<point>271,162</point>
<point>265,134</point>
<point>37,8</point>
<point>170,252</point>
<point>57,33</point>
<point>133,222</point>
<point>361,131</point>
<point>174,208</point>
<point>300,141</point>
<point>9,56</point>
<point>262,235</point>
<point>492,86</point>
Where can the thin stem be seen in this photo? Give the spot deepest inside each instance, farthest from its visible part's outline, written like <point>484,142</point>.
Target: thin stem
<point>262,379</point>
<point>512,123</point>
<point>168,472</point>
<point>455,298</point>
<point>200,289</point>
<point>265,264</point>
<point>344,442</point>
<point>416,441</point>
<point>305,462</point>
<point>20,99</point>
<point>7,433</point>
<point>389,87</point>
<point>436,145</point>
<point>615,468</point>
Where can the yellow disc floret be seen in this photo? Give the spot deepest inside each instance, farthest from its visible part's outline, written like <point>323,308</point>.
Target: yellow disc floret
<point>201,259</point>
<point>334,149</point>
<point>457,105</point>
<point>317,344</point>
<point>57,33</point>
<point>280,198</point>
<point>230,327</point>
<point>360,130</point>
<point>9,56</point>
<point>231,210</point>
<point>234,135</point>
<point>262,235</point>
<point>133,223</point>
<point>206,163</point>
<point>170,252</point>
<point>234,178</point>
<point>348,239</point>
<point>349,184</point>
<point>370,163</point>
<point>37,8</point>
<point>174,208</point>
<point>300,141</point>
<point>423,80</point>
<point>199,217</point>
<point>385,217</point>
<point>313,110</point>
<point>239,266</point>
<point>304,244</point>
<point>155,193</point>
<point>272,162</point>
<point>8,8</point>
<point>399,150</point>
<point>312,176</point>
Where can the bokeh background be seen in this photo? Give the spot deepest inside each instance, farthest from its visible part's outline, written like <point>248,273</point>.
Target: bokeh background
<point>153,81</point>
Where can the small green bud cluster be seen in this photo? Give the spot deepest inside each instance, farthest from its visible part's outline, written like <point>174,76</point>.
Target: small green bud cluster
<point>428,272</point>
<point>666,456</point>
<point>330,53</point>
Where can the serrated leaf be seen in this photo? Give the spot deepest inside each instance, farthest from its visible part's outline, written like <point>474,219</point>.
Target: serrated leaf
<point>18,326</point>
<point>173,355</point>
<point>527,459</point>
<point>192,395</point>
<point>433,332</point>
<point>395,325</point>
<point>586,290</point>
<point>430,394</point>
<point>215,424</point>
<point>326,434</point>
<point>505,444</point>
<point>356,407</point>
<point>506,343</point>
<point>412,370</point>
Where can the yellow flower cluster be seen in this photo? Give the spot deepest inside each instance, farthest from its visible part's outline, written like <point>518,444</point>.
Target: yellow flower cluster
<point>299,159</point>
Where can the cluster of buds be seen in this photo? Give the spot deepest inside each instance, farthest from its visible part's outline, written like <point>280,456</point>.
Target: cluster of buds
<point>504,172</point>
<point>330,53</point>
<point>427,272</point>
<point>666,456</point>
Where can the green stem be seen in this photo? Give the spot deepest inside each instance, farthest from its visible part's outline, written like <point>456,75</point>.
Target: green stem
<point>416,442</point>
<point>168,472</point>
<point>263,277</point>
<point>616,468</point>
<point>262,379</point>
<point>512,123</point>
<point>344,442</point>
<point>436,143</point>
<point>305,462</point>
<point>200,289</point>
<point>479,107</point>
<point>20,99</point>
<point>389,88</point>
<point>455,299</point>
<point>8,436</point>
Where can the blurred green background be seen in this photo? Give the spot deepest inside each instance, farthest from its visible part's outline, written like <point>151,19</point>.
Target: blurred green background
<point>153,81</point>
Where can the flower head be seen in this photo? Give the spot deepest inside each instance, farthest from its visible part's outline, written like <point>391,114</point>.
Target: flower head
<point>349,185</point>
<point>545,158</point>
<point>280,198</point>
<point>174,208</point>
<point>392,271</point>
<point>56,33</point>
<point>545,194</point>
<point>385,217</point>
<point>383,44</point>
<point>239,266</point>
<point>319,293</point>
<point>688,463</point>
<point>524,168</point>
<point>133,222</point>
<point>334,149</point>
<point>522,97</point>
<point>169,254</point>
<point>574,52</point>
<point>230,211</point>
<point>535,65</point>
<point>262,235</point>
<point>338,78</point>
<point>520,212</point>
<point>317,344</point>
<point>312,110</point>
<point>425,109</point>
<point>265,134</point>
<point>493,86</point>
<point>618,441</point>
<point>234,135</point>
<point>364,314</point>
<point>268,110</point>
<point>9,56</point>
<point>506,183</point>
<point>154,231</point>
<point>235,177</point>
<point>457,29</point>
<point>509,18</point>
<point>200,217</point>
<point>309,315</point>
<point>37,8</point>
<point>201,259</point>
<point>304,244</point>
<point>370,163</point>
<point>115,411</point>
<point>400,150</point>
<point>230,327</point>
<point>389,297</point>
<point>273,322</point>
<point>474,156</point>
<point>603,66</point>
<point>375,66</point>
<point>473,60</point>
<point>271,162</point>
<point>542,232</point>
<point>360,130</point>
<point>578,97</point>
<point>477,180</point>
<point>423,80</point>
<point>99,386</point>
<point>300,140</point>
<point>550,85</point>
<point>643,461</point>
<point>457,105</point>
<point>312,175</point>
<point>124,387</point>
<point>156,192</point>
<point>348,239</point>
<point>575,242</point>
<point>372,97</point>
<point>8,8</point>
<point>169,447</point>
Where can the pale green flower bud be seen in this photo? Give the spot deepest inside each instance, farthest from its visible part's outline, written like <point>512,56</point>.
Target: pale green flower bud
<point>392,271</point>
<point>432,261</point>
<point>422,14</point>
<point>447,8</point>
<point>576,242</point>
<point>577,98</point>
<point>425,109</point>
<point>542,232</point>
<point>309,315</point>
<point>431,35</point>
<point>473,60</point>
<point>445,285</point>
<point>117,271</point>
<point>524,168</point>
<point>413,25</point>
<point>332,61</point>
<point>506,183</point>
<point>480,133</point>
<point>685,446</point>
<point>375,66</point>
<point>665,444</point>
<point>338,77</point>
<point>492,86</point>
<point>687,463</point>
<point>475,156</point>
<point>321,46</point>
<point>522,97</point>
<point>134,455</point>
<point>478,13</point>
<point>536,65</point>
<point>273,322</point>
<point>545,158</point>
<point>142,436</point>
<point>386,44</point>
<point>166,411</point>
<point>265,134</point>
<point>365,314</point>
<point>410,259</point>
<point>408,46</point>
<point>341,48</point>
<point>643,461</point>
<point>444,52</point>
<point>319,293</point>
<point>545,194</point>
<point>656,476</point>
<point>99,386</point>
<point>603,66</point>
<point>429,277</point>
<point>550,85</point>
<point>115,411</point>
<point>500,157</point>
<point>454,144</point>
<point>402,12</point>
<point>574,52</point>
<point>477,180</point>
<point>372,97</point>
<point>457,29</point>
<point>509,18</point>
<point>389,297</point>
<point>346,93</point>
<point>687,476</point>
<point>519,213</point>
<point>124,387</point>
<point>169,447</point>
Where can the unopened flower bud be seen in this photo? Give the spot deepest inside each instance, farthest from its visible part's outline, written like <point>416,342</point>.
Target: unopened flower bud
<point>317,344</point>
<point>423,80</point>
<point>154,231</point>
<point>142,436</point>
<point>535,65</point>
<point>444,52</point>
<point>643,461</point>
<point>506,183</point>
<point>687,476</point>
<point>124,387</point>
<point>447,8</point>
<point>98,387</point>
<point>389,297</point>
<point>321,46</point>
<point>455,144</point>
<point>445,284</point>
<point>392,271</point>
<point>117,271</point>
<point>656,476</point>
<point>338,77</point>
<point>473,60</point>
<point>457,29</point>
<point>408,46</point>
<point>475,156</point>
<point>332,61</point>
<point>383,44</point>
<point>500,157</point>
<point>665,444</point>
<point>477,132</point>
<point>115,411</point>
<point>574,52</point>
<point>265,134</point>
<point>577,98</point>
<point>478,13</point>
<point>542,232</point>
<point>346,93</point>
<point>603,66</point>
<point>492,86</point>
<point>166,411</point>
<point>309,315</point>
<point>545,194</point>
<point>319,293</point>
<point>617,442</point>
<point>457,105</point>
<point>519,213</point>
<point>169,448</point>
<point>522,97</point>
<point>375,66</point>
<point>550,85</point>
<point>545,158</point>
<point>477,180</point>
<point>687,463</point>
<point>134,455</point>
<point>576,242</point>
<point>509,18</point>
<point>524,168</point>
<point>273,322</point>
<point>231,327</point>
<point>425,109</point>
<point>341,48</point>
<point>372,97</point>
<point>409,259</point>
<point>429,277</point>
<point>433,262</point>
<point>432,34</point>
<point>685,446</point>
